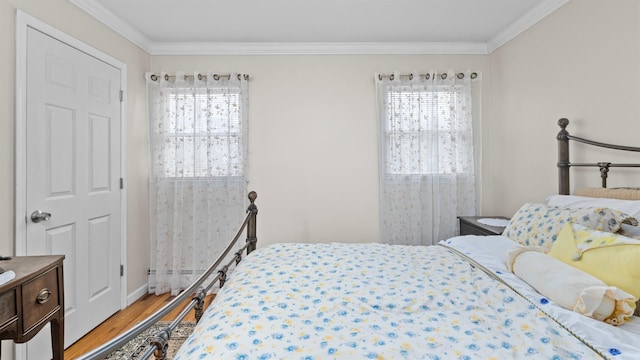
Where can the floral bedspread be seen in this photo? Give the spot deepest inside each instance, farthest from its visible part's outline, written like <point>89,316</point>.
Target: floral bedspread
<point>372,301</point>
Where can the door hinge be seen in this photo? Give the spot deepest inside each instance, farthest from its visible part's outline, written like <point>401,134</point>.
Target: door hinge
<point>121,270</point>
<point>121,183</point>
<point>121,95</point>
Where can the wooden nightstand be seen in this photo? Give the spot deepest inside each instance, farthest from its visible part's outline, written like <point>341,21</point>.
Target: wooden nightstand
<point>34,298</point>
<point>469,225</point>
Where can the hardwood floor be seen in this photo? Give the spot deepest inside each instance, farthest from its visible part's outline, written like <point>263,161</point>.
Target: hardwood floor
<point>123,320</point>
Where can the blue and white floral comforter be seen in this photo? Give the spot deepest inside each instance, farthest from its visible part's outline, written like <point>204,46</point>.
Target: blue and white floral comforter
<point>373,301</point>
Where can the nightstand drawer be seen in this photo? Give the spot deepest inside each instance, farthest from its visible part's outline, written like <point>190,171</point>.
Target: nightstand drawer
<point>8,311</point>
<point>40,296</point>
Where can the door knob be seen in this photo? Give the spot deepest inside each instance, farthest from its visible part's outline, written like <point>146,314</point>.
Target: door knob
<point>38,216</point>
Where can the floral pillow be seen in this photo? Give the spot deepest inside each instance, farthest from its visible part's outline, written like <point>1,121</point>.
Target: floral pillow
<point>539,225</point>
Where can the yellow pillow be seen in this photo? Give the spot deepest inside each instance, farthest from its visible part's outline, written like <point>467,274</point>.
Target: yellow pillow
<point>612,258</point>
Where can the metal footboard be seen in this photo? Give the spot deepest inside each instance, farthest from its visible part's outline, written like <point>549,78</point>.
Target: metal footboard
<point>160,342</point>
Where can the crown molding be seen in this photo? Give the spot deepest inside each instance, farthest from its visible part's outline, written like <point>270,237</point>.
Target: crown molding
<point>116,24</point>
<point>525,22</point>
<point>102,14</point>
<point>316,48</point>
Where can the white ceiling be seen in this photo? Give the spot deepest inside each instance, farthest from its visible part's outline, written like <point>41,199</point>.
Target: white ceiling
<point>319,26</point>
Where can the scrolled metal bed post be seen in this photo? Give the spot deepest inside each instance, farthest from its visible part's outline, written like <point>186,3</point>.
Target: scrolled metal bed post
<point>251,226</point>
<point>563,157</point>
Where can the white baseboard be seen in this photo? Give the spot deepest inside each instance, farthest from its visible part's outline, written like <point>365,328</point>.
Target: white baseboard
<point>137,294</point>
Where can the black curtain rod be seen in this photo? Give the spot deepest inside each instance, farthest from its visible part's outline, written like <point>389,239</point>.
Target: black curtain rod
<point>156,77</point>
<point>443,76</point>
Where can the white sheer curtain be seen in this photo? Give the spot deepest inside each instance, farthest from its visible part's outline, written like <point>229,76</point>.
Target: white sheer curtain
<point>198,132</point>
<point>427,167</point>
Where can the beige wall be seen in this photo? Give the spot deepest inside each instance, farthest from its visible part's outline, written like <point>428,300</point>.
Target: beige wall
<point>67,18</point>
<point>313,155</point>
<point>583,63</point>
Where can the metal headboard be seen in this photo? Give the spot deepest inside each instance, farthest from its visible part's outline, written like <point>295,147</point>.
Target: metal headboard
<point>563,157</point>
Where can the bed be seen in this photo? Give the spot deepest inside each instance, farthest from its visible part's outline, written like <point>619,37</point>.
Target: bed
<point>511,296</point>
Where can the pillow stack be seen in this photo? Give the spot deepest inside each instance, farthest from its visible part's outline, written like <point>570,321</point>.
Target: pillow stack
<point>585,259</point>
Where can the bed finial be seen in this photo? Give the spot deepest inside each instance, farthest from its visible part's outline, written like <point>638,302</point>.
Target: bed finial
<point>252,207</point>
<point>563,122</point>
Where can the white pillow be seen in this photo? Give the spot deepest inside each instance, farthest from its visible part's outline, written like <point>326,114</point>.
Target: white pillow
<point>630,207</point>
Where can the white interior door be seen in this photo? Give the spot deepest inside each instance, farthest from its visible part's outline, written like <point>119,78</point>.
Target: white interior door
<point>73,173</point>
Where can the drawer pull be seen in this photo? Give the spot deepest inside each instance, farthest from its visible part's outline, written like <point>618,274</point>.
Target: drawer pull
<point>43,296</point>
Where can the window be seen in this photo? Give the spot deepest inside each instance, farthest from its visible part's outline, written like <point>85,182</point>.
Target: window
<point>203,137</point>
<point>422,133</point>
